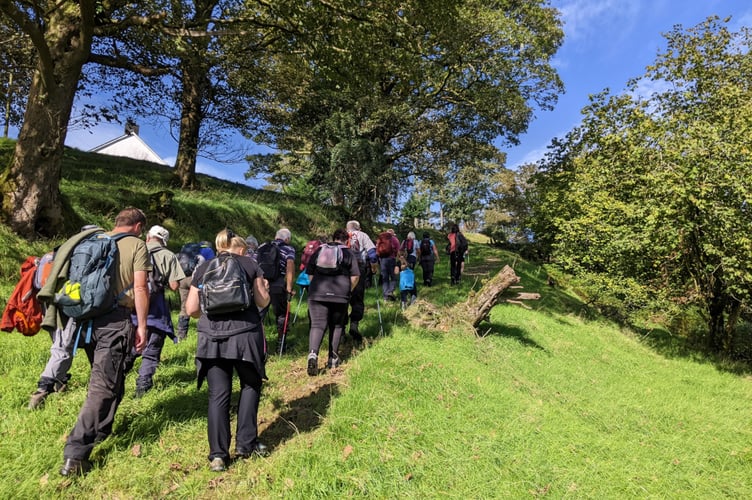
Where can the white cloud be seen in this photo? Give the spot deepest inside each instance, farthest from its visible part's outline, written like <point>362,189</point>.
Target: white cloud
<point>584,19</point>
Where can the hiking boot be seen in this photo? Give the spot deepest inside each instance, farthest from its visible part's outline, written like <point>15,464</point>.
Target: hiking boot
<point>218,465</point>
<point>141,392</point>
<point>257,449</point>
<point>313,364</point>
<point>404,305</point>
<point>75,467</point>
<point>37,399</point>
<point>413,299</point>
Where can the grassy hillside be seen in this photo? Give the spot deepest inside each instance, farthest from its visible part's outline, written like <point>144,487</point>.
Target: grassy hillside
<point>548,402</point>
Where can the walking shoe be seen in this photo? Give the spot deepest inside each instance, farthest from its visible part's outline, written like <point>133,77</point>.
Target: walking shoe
<point>75,467</point>
<point>404,305</point>
<point>313,364</point>
<point>218,465</point>
<point>257,448</point>
<point>37,399</point>
<point>333,362</point>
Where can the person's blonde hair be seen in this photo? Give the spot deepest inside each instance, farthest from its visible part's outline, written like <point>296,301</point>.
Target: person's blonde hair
<point>238,243</point>
<point>223,240</point>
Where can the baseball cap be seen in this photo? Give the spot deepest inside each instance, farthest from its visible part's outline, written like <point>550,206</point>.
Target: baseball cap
<point>160,232</point>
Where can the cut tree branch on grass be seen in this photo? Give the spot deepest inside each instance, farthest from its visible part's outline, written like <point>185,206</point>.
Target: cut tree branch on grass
<point>473,311</point>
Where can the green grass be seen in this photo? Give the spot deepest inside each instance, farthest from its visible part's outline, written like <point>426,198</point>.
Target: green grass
<point>549,402</point>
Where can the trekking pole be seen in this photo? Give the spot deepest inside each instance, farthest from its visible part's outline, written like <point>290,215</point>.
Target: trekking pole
<point>295,318</point>
<point>284,327</point>
<point>381,325</point>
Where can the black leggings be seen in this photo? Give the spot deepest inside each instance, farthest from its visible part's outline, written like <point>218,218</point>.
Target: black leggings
<point>332,315</point>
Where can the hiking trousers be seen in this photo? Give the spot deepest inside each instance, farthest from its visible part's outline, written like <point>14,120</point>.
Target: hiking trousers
<point>389,279</point>
<point>111,339</point>
<point>149,359</point>
<point>455,265</point>
<point>61,357</point>
<point>219,380</point>
<point>428,266</point>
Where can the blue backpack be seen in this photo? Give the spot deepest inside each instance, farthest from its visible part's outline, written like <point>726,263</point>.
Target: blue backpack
<point>88,292</point>
<point>407,279</point>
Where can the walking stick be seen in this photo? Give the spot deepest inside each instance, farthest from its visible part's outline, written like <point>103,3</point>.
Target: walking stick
<point>284,327</point>
<point>381,325</point>
<point>300,299</point>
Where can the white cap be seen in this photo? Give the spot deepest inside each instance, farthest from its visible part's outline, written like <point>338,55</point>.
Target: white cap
<point>160,232</point>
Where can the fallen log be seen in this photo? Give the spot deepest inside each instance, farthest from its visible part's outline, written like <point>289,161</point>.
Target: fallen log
<point>474,310</point>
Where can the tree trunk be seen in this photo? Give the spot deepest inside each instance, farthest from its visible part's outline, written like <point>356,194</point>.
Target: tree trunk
<point>31,201</point>
<point>195,84</point>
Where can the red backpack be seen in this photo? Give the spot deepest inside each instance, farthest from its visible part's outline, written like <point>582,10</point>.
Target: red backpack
<point>384,244</point>
<point>23,311</point>
<point>309,249</point>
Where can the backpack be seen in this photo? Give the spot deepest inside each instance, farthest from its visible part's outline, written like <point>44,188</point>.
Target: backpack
<point>353,243</point>
<point>88,291</point>
<point>156,281</point>
<point>407,245</point>
<point>384,245</point>
<point>332,261</point>
<point>461,244</point>
<point>308,251</point>
<point>43,269</point>
<point>224,286</point>
<point>425,247</point>
<point>190,257</point>
<point>23,311</point>
<point>407,279</point>
<point>268,256</point>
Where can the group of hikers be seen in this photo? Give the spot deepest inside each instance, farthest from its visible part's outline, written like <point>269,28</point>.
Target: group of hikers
<point>230,289</point>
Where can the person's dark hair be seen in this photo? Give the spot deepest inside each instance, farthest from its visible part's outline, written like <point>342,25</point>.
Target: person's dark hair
<point>455,228</point>
<point>340,235</point>
<point>426,235</point>
<point>129,217</point>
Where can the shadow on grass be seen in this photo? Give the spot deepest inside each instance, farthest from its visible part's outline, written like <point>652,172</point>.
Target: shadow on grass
<point>302,415</point>
<point>509,331</point>
<point>670,346</point>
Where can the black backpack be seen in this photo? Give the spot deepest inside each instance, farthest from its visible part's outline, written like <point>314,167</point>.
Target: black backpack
<point>189,257</point>
<point>156,281</point>
<point>425,247</point>
<point>461,244</point>
<point>268,256</point>
<point>224,286</point>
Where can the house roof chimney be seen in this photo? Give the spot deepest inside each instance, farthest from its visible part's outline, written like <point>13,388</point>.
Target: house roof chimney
<point>131,128</point>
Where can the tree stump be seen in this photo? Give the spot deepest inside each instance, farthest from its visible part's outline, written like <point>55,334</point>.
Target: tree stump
<point>471,312</point>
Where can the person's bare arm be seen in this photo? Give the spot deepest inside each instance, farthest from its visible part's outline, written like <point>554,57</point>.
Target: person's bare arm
<point>141,300</point>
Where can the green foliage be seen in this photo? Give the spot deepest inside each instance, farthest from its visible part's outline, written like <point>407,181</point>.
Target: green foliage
<point>380,95</point>
<point>656,188</point>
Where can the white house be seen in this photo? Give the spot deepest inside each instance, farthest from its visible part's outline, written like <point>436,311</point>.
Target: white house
<point>129,145</point>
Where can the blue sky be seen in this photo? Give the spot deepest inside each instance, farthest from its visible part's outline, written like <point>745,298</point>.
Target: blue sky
<point>606,43</point>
